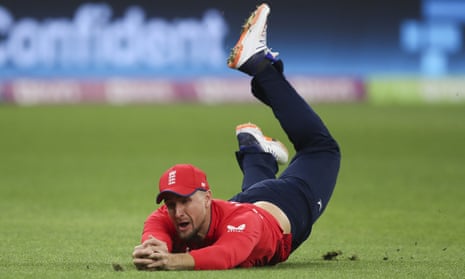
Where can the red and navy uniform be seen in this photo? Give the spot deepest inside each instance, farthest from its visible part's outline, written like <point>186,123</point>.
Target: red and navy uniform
<point>240,235</point>
<point>304,188</point>
<point>302,191</point>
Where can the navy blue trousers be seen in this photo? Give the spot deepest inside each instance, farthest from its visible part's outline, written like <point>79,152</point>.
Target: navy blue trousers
<point>304,188</point>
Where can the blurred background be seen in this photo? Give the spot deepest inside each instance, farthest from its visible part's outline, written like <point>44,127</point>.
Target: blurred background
<point>81,152</point>
<point>169,51</point>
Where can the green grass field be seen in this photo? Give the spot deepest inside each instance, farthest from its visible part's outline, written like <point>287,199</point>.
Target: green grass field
<point>77,182</point>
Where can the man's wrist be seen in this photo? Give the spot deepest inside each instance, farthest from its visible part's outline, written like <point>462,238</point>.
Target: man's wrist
<point>180,261</point>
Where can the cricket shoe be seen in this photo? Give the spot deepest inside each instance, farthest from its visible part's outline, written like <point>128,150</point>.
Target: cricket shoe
<point>250,135</point>
<point>251,53</point>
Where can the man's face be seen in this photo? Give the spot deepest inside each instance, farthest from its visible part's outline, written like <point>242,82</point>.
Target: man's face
<point>190,215</point>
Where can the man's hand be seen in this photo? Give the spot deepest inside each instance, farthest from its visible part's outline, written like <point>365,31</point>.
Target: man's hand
<point>142,253</point>
<point>153,254</point>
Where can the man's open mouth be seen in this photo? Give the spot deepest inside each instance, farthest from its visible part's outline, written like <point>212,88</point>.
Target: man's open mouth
<point>183,225</point>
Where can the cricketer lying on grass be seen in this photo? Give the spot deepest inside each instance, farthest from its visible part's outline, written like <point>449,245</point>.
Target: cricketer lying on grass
<point>271,217</point>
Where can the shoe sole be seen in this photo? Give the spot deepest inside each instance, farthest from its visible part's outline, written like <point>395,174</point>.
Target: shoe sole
<point>244,127</point>
<point>237,49</point>
<point>250,128</point>
<point>247,125</point>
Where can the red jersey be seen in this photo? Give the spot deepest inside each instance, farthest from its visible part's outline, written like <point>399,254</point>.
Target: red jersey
<point>240,235</point>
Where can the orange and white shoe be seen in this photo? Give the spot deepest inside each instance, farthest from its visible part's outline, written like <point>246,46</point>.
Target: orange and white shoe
<point>251,51</point>
<point>249,134</point>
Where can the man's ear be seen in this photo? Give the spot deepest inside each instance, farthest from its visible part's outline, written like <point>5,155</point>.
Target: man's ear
<point>208,198</point>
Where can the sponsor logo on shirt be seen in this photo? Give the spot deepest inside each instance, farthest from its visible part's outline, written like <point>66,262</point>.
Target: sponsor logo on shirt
<point>239,228</point>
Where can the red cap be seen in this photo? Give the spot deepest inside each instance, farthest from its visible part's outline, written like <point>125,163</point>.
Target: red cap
<point>183,180</point>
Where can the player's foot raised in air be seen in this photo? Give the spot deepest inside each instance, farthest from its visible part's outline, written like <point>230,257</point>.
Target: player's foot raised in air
<point>251,53</point>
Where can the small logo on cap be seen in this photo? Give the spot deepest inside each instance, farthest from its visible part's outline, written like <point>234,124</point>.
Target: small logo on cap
<point>172,177</point>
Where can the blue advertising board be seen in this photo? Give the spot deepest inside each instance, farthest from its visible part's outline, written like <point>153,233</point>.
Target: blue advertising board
<point>192,38</point>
